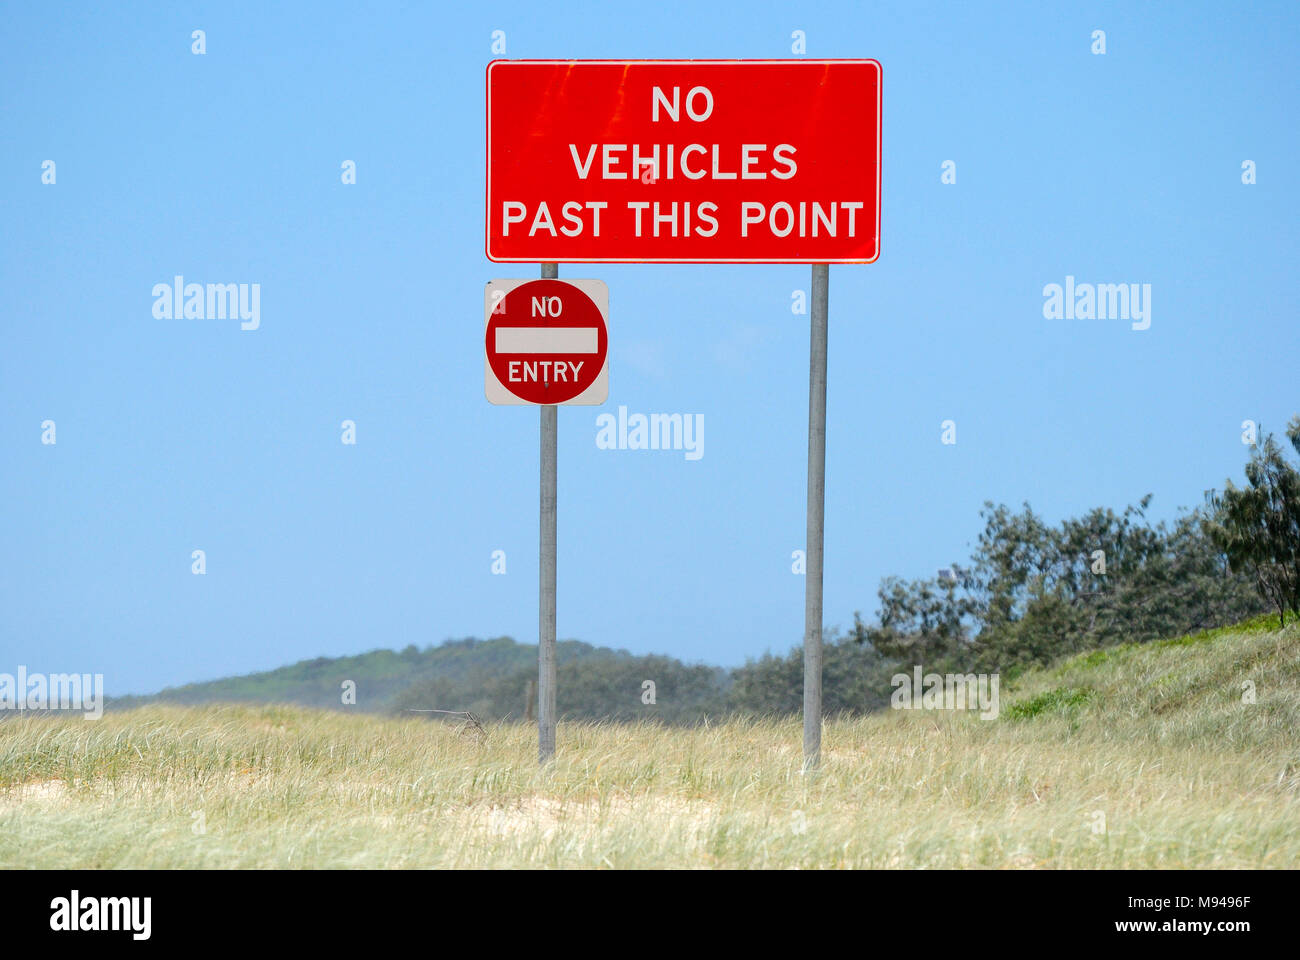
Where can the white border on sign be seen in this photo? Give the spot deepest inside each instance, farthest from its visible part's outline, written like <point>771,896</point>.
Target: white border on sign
<point>487,219</point>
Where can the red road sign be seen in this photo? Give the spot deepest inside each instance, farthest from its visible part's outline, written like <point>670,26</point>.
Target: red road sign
<point>683,161</point>
<point>546,341</point>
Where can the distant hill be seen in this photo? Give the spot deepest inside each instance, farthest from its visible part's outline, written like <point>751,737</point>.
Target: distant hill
<point>488,677</point>
<point>380,676</point>
<point>491,679</point>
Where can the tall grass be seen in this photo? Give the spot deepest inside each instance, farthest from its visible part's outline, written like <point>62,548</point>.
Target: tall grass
<point>1140,756</point>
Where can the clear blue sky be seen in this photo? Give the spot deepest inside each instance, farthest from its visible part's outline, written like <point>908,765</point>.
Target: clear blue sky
<point>177,435</point>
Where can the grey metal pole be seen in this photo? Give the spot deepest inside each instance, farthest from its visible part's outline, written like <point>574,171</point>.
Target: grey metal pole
<point>812,630</point>
<point>546,585</point>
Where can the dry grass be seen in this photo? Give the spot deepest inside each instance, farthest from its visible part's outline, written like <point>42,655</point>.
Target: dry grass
<point>1159,744</point>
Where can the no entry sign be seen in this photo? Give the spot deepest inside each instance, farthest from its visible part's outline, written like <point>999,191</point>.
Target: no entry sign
<point>683,161</point>
<point>546,342</point>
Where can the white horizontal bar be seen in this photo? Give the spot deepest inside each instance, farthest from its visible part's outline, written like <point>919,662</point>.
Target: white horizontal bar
<point>546,340</point>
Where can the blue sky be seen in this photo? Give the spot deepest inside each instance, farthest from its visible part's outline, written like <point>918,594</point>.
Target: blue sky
<point>177,435</point>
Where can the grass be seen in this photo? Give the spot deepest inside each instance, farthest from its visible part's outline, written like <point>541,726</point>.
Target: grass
<point>1060,699</point>
<point>1138,756</point>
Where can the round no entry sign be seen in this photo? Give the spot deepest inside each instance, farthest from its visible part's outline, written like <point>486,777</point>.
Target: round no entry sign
<point>546,342</point>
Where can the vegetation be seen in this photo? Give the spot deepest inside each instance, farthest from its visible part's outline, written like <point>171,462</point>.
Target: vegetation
<point>1181,754</point>
<point>487,677</point>
<point>1033,592</point>
<point>593,683</point>
<point>1258,527</point>
<point>1030,594</point>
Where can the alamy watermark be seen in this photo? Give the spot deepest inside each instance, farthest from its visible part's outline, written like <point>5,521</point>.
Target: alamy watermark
<point>950,691</point>
<point>658,431</point>
<point>179,300</point>
<point>1098,301</point>
<point>54,691</point>
<point>75,913</point>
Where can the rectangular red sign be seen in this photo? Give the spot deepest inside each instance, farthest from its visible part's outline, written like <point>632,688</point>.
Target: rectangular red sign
<point>683,161</point>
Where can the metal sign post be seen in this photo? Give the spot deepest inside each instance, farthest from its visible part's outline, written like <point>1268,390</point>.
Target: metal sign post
<point>546,582</point>
<point>812,623</point>
<point>546,344</point>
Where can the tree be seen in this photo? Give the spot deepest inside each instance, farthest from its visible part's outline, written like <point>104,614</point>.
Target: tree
<point>921,621</point>
<point>1034,592</point>
<point>1258,527</point>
